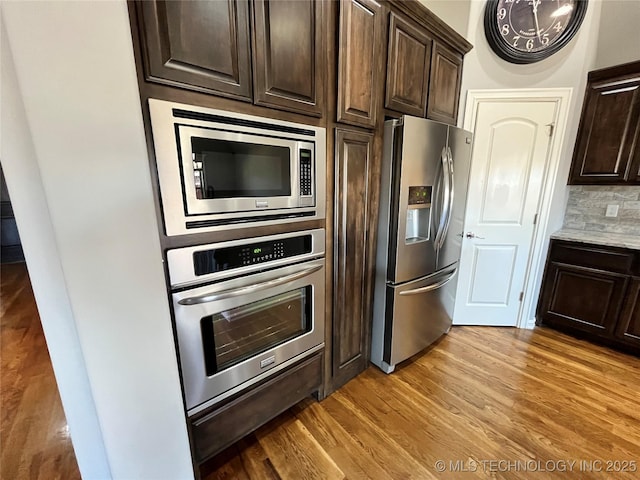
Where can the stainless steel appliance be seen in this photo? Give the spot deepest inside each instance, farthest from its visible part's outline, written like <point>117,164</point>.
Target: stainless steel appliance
<point>422,201</point>
<point>221,170</point>
<point>245,310</point>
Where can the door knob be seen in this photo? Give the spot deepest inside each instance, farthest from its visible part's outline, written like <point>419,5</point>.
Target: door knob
<point>473,235</point>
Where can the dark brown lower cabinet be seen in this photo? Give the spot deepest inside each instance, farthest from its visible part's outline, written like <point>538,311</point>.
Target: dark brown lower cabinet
<point>355,223</point>
<point>628,329</point>
<point>584,298</point>
<point>590,290</point>
<point>216,428</point>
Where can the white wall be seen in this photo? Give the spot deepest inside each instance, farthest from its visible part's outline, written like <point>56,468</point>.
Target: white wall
<point>483,69</point>
<point>76,75</point>
<point>454,13</point>
<point>619,40</point>
<point>19,161</point>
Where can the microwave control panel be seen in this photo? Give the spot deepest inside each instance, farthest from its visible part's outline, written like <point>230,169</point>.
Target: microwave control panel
<point>305,173</point>
<point>228,258</point>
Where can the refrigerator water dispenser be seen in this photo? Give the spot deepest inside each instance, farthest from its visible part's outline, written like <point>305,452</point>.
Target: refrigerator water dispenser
<point>418,228</point>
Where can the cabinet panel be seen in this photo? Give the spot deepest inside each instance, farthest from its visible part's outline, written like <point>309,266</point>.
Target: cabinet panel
<point>598,257</point>
<point>352,278</point>
<point>407,68</point>
<point>246,413</point>
<point>201,46</point>
<point>360,62</point>
<point>583,298</point>
<point>288,55</point>
<point>628,328</point>
<point>608,134</point>
<point>444,85</point>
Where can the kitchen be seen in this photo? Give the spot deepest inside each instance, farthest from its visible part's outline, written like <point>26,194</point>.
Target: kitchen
<point>125,278</point>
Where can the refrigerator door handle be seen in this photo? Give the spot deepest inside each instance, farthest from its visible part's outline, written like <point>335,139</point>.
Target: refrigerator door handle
<point>442,223</point>
<point>433,286</point>
<point>449,199</point>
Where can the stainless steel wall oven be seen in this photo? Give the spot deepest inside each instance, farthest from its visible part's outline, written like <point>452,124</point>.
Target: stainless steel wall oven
<point>221,170</point>
<point>244,310</point>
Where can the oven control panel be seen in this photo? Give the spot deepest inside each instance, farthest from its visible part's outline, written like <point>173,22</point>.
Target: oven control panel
<point>228,258</point>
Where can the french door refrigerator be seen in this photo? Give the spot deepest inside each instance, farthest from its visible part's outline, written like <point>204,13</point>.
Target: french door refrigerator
<point>425,174</point>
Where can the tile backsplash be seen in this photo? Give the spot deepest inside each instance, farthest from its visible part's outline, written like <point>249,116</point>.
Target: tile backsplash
<point>588,203</point>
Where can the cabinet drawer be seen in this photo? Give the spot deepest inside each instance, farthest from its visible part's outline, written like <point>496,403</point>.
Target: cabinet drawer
<point>217,429</point>
<point>591,256</point>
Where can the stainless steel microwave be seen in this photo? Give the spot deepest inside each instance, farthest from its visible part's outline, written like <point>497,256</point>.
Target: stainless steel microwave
<point>221,170</point>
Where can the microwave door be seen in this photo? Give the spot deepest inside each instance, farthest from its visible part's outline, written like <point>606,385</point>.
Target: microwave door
<point>227,172</point>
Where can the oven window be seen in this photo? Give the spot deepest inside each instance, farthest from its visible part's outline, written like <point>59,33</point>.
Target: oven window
<point>239,333</point>
<point>226,169</point>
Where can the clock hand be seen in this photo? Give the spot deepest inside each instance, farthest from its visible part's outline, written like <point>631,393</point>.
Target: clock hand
<point>535,17</point>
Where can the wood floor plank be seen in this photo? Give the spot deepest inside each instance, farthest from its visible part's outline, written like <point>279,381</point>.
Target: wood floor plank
<point>391,456</point>
<point>571,387</point>
<point>564,403</point>
<point>33,435</point>
<point>256,460</point>
<point>354,458</point>
<point>487,395</point>
<point>294,452</point>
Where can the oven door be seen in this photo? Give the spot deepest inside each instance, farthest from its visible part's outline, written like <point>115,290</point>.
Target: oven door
<point>234,333</point>
<point>228,172</point>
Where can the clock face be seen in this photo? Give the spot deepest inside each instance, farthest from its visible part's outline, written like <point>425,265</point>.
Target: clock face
<point>526,31</point>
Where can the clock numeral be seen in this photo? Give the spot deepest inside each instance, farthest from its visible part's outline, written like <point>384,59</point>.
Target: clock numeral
<point>502,13</point>
<point>515,40</point>
<point>530,44</point>
<point>545,39</point>
<point>558,27</point>
<point>505,29</point>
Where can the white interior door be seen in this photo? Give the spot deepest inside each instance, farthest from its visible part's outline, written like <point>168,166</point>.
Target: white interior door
<point>508,163</point>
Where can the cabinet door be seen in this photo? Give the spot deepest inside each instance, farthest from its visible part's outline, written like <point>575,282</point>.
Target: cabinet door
<point>408,63</point>
<point>628,328</point>
<point>352,259</point>
<point>608,133</point>
<point>201,46</point>
<point>582,298</point>
<point>634,171</point>
<point>288,55</point>
<point>360,62</point>
<point>444,85</point>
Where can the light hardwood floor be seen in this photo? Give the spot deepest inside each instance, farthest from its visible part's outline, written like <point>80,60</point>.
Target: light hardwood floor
<point>492,400</point>
<point>506,403</point>
<point>34,440</point>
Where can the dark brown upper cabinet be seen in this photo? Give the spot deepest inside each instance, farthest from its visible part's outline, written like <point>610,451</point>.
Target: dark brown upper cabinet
<point>408,62</point>
<point>360,73</point>
<point>288,60</point>
<point>355,223</point>
<point>201,46</point>
<point>608,141</point>
<point>444,85</point>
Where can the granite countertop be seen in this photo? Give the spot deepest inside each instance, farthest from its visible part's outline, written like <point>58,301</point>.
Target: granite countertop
<point>599,238</point>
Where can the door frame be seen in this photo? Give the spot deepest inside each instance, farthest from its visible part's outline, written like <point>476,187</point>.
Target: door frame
<point>562,98</point>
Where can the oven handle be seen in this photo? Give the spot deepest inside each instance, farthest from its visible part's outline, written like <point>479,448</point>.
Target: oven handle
<point>234,292</point>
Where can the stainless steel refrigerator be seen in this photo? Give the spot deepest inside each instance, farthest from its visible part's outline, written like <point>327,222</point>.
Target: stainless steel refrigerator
<point>425,174</point>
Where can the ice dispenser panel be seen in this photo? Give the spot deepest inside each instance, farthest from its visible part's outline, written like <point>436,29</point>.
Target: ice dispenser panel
<point>418,214</point>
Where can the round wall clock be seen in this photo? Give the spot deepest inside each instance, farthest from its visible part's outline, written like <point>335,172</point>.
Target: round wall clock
<point>527,31</point>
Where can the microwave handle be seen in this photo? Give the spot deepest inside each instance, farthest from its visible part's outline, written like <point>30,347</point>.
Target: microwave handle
<point>234,292</point>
